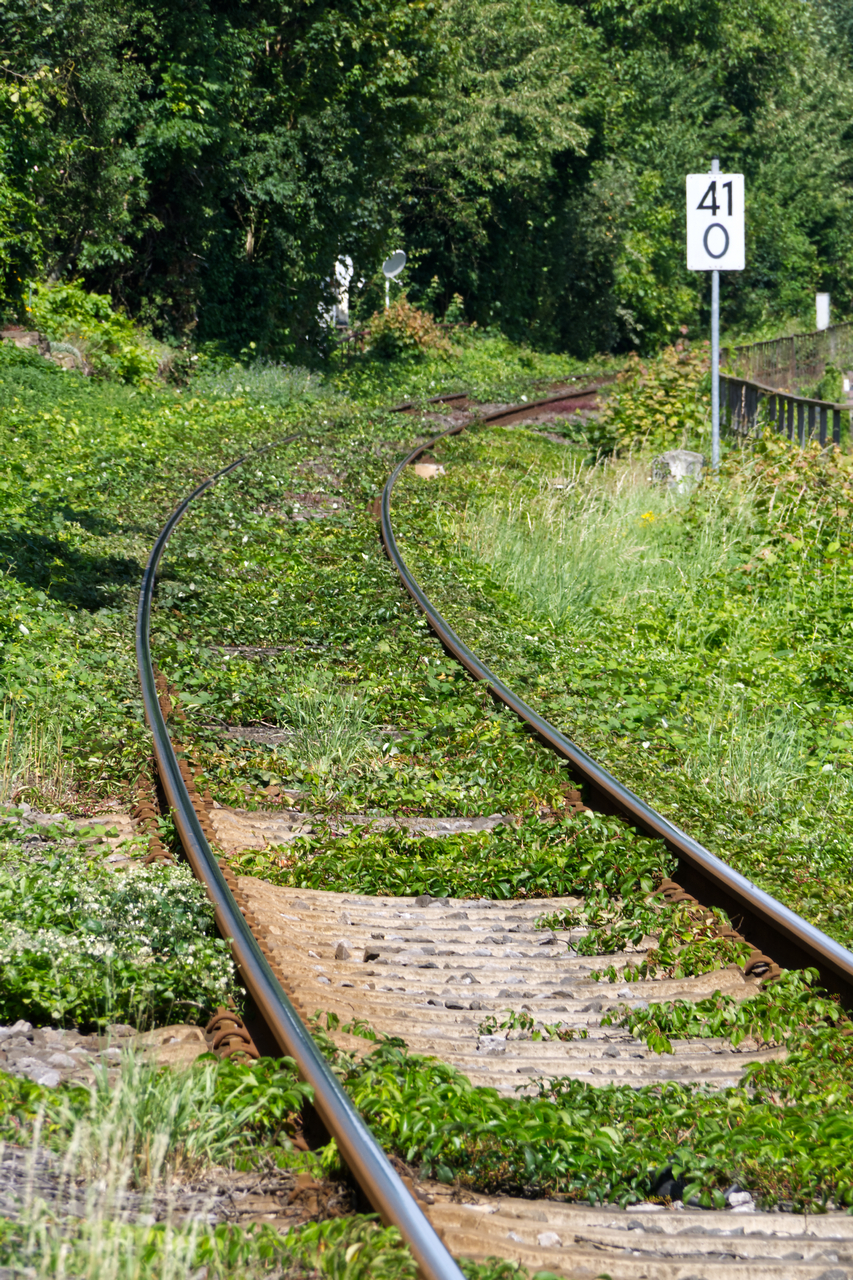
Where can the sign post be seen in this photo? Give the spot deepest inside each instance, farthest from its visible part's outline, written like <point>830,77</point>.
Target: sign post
<point>715,243</point>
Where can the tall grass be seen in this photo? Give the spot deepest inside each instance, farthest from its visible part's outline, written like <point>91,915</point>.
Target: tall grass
<point>124,1150</point>
<point>751,755</point>
<point>31,757</point>
<point>596,545</point>
<point>330,727</point>
<point>152,1124</point>
<point>591,538</point>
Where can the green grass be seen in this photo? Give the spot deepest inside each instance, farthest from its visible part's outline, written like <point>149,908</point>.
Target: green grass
<point>155,1125</point>
<point>708,676</point>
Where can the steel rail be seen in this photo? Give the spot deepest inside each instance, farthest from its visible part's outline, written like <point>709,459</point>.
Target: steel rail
<point>764,921</point>
<point>358,1147</point>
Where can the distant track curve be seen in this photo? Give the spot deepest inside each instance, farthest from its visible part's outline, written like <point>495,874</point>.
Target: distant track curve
<point>762,919</point>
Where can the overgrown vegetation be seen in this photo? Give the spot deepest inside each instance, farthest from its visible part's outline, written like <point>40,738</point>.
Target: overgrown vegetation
<point>688,638</point>
<point>82,944</point>
<point>585,855</point>
<point>305,676</point>
<point>155,1128</point>
<point>616,1142</point>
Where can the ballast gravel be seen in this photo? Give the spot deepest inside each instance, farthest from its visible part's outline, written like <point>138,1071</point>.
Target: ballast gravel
<point>49,1056</point>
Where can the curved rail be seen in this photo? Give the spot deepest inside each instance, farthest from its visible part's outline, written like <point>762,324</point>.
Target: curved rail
<point>763,920</point>
<point>362,1153</point>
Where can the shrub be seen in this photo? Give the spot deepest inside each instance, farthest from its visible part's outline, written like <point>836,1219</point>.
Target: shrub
<point>110,343</point>
<point>80,944</point>
<point>405,330</point>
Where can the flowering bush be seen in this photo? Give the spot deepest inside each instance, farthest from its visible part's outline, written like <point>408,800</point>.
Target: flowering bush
<point>80,944</point>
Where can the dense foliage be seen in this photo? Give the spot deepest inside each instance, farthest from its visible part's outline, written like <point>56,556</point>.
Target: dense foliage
<point>206,164</point>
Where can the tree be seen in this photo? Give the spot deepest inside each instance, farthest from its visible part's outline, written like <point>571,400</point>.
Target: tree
<point>210,160</point>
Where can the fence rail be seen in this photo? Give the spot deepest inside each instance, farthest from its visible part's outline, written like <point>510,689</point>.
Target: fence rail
<point>800,418</point>
<point>790,363</point>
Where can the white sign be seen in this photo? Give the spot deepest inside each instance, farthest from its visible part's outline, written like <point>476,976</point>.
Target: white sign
<point>715,234</point>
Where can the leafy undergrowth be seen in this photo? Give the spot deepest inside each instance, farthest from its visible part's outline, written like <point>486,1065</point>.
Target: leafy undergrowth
<point>611,1143</point>
<point>485,364</point>
<point>577,854</point>
<point>356,1247</point>
<point>614,1143</point>
<point>280,563</point>
<point>614,870</point>
<point>82,943</point>
<point>350,1248</point>
<point>777,1015</point>
<point>154,1125</point>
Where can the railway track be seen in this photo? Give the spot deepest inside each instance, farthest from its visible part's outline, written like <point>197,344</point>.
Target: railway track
<point>478,985</point>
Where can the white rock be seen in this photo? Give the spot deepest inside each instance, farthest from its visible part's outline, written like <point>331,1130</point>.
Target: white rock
<point>492,1045</point>
<point>549,1240</point>
<point>61,1060</point>
<point>741,1199</point>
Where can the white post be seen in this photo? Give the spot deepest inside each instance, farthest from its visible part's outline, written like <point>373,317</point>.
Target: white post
<point>715,356</point>
<point>387,292</point>
<point>821,310</point>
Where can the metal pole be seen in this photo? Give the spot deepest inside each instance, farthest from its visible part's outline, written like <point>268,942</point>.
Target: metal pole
<point>715,356</point>
<point>387,291</point>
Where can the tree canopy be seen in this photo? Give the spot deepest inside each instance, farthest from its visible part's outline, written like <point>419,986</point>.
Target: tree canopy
<point>207,163</point>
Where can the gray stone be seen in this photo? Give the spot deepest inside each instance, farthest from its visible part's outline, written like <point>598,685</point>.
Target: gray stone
<point>491,1046</point>
<point>19,1028</point>
<point>678,467</point>
<point>342,951</point>
<point>61,1060</point>
<point>38,1072</point>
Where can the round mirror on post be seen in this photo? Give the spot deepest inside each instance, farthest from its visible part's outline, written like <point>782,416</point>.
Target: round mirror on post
<point>392,267</point>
